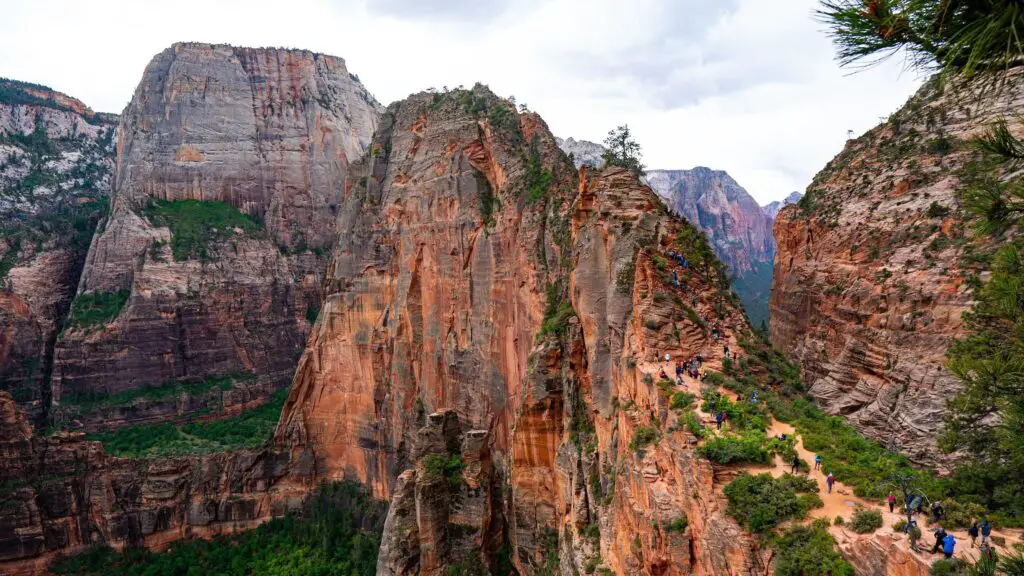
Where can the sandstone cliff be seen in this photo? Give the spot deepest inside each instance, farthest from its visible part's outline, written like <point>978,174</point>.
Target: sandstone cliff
<point>736,226</point>
<point>230,163</point>
<point>56,161</point>
<point>478,357</point>
<point>61,494</point>
<point>873,268</point>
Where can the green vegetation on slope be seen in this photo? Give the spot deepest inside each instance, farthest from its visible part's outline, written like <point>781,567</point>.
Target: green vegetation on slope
<point>809,551</point>
<point>97,308</point>
<point>337,532</point>
<point>249,429</point>
<point>761,502</point>
<point>197,226</point>
<point>91,401</point>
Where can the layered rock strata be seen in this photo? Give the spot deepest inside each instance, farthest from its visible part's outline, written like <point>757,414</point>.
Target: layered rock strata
<point>873,271</point>
<point>270,134</point>
<point>56,162</point>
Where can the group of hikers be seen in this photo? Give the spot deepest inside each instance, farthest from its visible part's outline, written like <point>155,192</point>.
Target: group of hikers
<point>947,542</point>
<point>944,541</point>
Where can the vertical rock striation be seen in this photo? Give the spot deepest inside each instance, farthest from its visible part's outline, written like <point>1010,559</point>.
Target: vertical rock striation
<point>482,330</point>
<point>268,132</point>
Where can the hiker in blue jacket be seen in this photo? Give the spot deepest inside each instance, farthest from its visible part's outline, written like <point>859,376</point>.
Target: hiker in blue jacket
<point>948,543</point>
<point>986,532</point>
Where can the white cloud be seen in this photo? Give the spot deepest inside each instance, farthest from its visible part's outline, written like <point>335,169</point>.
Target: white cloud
<point>746,86</point>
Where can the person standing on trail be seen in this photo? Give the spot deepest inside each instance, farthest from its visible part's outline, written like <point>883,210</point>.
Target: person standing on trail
<point>973,533</point>
<point>829,480</point>
<point>948,543</point>
<point>892,503</point>
<point>986,532</point>
<point>817,461</point>
<point>940,535</point>
<point>936,511</point>
<point>796,463</point>
<point>726,352</point>
<point>679,370</point>
<point>718,419</point>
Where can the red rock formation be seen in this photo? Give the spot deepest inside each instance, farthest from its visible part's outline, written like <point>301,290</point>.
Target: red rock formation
<point>870,280</point>
<point>432,348</point>
<point>269,131</point>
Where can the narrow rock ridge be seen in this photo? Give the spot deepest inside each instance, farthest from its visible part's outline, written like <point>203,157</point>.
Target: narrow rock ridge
<point>871,278</point>
<point>477,344</point>
<point>737,227</point>
<point>270,132</point>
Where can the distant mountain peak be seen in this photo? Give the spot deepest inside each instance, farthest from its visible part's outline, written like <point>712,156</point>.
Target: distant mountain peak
<point>771,209</point>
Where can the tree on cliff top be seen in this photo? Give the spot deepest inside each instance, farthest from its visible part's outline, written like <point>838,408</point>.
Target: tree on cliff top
<point>967,37</point>
<point>623,151</point>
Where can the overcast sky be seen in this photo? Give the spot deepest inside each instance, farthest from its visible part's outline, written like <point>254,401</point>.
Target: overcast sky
<point>747,86</point>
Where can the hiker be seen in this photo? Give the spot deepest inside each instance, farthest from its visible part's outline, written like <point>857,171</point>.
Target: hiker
<point>718,419</point>
<point>973,533</point>
<point>986,532</point>
<point>892,503</point>
<point>726,352</point>
<point>679,370</point>
<point>829,480</point>
<point>796,464</point>
<point>817,461</point>
<point>936,511</point>
<point>675,278</point>
<point>948,543</point>
<point>913,534</point>
<point>940,535</point>
<point>662,375</point>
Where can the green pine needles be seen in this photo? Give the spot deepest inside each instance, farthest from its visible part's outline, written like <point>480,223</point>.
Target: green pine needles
<point>965,37</point>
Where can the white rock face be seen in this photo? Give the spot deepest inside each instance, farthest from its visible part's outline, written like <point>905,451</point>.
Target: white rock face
<point>582,151</point>
<point>771,209</point>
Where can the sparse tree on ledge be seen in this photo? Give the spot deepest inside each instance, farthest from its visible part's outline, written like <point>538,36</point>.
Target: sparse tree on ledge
<point>623,151</point>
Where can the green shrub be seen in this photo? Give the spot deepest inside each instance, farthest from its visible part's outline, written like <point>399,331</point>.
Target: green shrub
<point>809,551</point>
<point>936,210</point>
<point>337,531</point>
<point>960,515</point>
<point>693,424</point>
<point>678,525</point>
<point>643,436</point>
<point>437,466</point>
<point>97,308</point>
<point>197,226</point>
<point>681,401</point>
<point>949,567</point>
<point>866,520</point>
<point>732,449</point>
<point>839,521</point>
<point>761,502</point>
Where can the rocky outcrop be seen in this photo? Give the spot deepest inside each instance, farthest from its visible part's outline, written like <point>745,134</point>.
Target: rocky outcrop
<point>736,226</point>
<point>56,162</point>
<point>582,152</point>
<point>259,141</point>
<point>477,357</point>
<point>872,276</point>
<point>61,494</point>
<point>771,209</point>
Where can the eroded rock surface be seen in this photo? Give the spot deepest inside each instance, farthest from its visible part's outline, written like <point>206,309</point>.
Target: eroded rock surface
<point>479,341</point>
<point>871,277</point>
<point>269,132</point>
<point>56,165</point>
